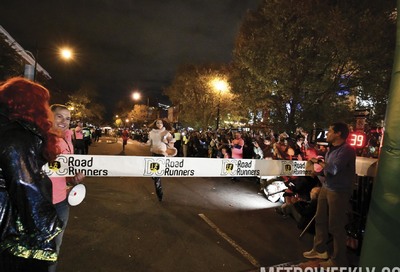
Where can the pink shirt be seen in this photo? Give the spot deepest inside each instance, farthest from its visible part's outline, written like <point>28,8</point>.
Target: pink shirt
<point>60,183</point>
<point>237,153</point>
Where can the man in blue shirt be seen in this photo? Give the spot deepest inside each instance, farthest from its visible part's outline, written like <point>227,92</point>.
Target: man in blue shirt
<point>333,201</point>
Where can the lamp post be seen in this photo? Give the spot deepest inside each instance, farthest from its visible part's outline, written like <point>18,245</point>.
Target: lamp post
<point>64,52</point>
<point>28,73</point>
<point>221,86</point>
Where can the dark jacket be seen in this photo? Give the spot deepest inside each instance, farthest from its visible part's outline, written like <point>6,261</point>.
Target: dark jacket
<point>28,219</point>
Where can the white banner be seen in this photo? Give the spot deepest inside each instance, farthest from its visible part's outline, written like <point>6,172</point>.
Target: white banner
<point>135,166</point>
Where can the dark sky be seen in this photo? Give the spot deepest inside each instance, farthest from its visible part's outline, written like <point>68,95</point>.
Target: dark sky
<point>123,45</point>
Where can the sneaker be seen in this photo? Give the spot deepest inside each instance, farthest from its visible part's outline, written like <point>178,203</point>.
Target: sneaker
<point>327,263</point>
<point>313,254</point>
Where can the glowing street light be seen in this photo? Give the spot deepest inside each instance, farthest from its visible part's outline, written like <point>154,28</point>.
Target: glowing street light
<point>136,96</point>
<point>221,86</point>
<point>66,53</point>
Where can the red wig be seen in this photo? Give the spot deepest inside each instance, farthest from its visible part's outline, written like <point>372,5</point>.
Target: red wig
<point>29,101</point>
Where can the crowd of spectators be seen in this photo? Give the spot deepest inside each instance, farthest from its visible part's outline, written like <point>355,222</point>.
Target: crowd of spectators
<point>245,144</point>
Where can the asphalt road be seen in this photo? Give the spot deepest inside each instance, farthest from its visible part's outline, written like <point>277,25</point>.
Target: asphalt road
<point>203,224</point>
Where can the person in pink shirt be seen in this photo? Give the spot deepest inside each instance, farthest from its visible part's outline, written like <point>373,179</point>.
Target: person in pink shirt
<point>237,146</point>
<point>62,119</point>
<point>79,143</point>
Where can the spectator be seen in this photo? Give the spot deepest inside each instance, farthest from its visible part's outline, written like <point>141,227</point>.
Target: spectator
<point>300,148</point>
<point>224,153</point>
<point>28,219</point>
<point>87,139</point>
<point>213,146</point>
<point>248,148</point>
<point>282,150</point>
<point>185,140</point>
<point>302,210</point>
<point>97,134</point>
<point>79,144</point>
<point>237,146</point>
<point>268,150</point>
<point>224,142</point>
<point>62,118</point>
<point>178,141</point>
<point>333,200</point>
<point>257,151</point>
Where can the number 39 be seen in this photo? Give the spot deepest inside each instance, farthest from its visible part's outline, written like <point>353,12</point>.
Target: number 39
<point>356,140</point>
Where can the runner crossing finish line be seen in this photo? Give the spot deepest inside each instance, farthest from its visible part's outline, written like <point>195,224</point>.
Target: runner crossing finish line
<point>135,166</point>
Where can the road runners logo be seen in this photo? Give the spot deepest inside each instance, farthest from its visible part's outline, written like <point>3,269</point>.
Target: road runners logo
<point>59,167</point>
<point>54,166</point>
<point>294,168</point>
<point>239,168</point>
<point>167,167</point>
<point>287,168</point>
<point>229,167</point>
<point>71,165</point>
<point>154,167</point>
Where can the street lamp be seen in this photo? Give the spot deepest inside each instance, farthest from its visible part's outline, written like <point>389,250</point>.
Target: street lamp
<point>30,72</point>
<point>137,96</point>
<point>221,86</point>
<point>65,53</point>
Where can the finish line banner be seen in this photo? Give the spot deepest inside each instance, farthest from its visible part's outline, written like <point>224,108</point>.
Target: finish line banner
<point>135,166</point>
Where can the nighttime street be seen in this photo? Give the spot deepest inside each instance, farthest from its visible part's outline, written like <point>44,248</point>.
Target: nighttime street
<point>121,226</point>
<point>232,103</point>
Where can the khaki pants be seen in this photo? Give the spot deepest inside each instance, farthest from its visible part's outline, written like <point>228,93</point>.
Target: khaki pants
<point>331,217</point>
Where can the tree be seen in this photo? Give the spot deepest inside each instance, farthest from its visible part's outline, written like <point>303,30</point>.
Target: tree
<point>192,91</point>
<point>301,60</point>
<point>82,108</point>
<point>139,114</point>
<point>375,28</point>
